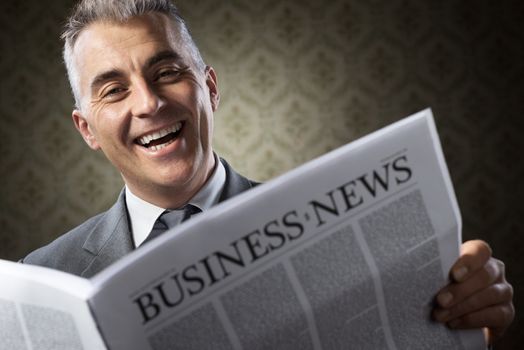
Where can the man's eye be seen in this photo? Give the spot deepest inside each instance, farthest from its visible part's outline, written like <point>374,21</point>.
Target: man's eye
<point>167,74</point>
<point>113,91</point>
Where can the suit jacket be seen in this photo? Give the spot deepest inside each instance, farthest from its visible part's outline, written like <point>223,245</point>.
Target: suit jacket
<point>106,237</point>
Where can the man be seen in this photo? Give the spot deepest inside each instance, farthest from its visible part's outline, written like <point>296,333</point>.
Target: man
<point>146,99</point>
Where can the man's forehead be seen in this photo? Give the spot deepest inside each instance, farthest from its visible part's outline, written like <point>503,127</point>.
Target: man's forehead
<point>102,35</point>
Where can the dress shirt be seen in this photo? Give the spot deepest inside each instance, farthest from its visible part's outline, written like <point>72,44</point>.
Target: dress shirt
<point>142,214</point>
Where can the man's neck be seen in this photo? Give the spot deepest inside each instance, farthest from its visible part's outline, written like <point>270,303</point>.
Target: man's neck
<point>142,214</point>
<point>175,196</point>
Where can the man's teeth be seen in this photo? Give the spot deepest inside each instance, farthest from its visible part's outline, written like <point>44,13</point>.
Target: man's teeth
<point>144,140</point>
<point>157,147</point>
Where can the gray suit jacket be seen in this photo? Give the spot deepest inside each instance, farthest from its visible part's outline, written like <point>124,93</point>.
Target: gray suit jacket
<point>106,237</point>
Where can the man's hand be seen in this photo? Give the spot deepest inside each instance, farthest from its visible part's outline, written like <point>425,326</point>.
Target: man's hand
<point>478,294</point>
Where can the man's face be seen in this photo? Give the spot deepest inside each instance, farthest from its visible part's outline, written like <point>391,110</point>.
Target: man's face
<point>145,104</point>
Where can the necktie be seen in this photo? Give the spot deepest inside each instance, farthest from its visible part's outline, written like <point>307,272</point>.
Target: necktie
<point>170,218</point>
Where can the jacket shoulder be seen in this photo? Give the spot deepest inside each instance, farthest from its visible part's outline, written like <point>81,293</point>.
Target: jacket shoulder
<point>66,252</point>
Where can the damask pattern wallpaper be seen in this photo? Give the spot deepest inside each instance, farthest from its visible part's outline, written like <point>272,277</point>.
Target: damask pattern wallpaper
<point>297,79</point>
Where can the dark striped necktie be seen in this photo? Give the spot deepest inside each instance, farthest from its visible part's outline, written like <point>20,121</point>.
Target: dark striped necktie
<point>171,218</point>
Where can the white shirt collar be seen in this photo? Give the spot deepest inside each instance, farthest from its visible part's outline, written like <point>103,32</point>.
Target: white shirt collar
<point>142,214</point>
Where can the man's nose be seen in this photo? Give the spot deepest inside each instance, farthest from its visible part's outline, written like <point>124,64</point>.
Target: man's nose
<point>147,101</point>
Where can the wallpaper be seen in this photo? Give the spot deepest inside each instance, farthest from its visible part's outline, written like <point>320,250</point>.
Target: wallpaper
<point>297,79</point>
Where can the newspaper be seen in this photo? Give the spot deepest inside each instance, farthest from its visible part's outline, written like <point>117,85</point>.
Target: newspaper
<point>344,252</point>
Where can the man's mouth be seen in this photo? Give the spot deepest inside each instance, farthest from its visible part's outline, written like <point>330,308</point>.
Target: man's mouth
<point>160,139</point>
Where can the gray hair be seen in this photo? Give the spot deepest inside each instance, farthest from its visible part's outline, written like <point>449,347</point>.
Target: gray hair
<point>120,11</point>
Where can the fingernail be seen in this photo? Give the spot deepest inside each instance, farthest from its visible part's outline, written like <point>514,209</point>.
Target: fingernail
<point>460,273</point>
<point>441,315</point>
<point>444,299</point>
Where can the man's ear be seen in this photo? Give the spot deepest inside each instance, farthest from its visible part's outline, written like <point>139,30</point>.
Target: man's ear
<point>85,130</point>
<point>211,81</point>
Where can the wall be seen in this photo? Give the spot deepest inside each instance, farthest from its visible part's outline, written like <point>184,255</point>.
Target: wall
<point>298,78</point>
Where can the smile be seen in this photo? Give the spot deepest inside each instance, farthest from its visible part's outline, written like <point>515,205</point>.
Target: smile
<point>160,139</point>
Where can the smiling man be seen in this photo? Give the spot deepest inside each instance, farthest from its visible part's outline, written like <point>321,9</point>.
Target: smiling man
<point>147,104</point>
<point>146,99</point>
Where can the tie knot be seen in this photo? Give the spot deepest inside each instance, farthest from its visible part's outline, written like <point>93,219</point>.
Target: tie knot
<point>189,210</point>
<point>170,218</point>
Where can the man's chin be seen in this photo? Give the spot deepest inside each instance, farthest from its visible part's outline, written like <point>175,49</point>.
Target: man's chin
<point>179,177</point>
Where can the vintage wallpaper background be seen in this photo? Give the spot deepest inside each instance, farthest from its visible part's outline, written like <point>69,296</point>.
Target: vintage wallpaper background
<point>298,78</point>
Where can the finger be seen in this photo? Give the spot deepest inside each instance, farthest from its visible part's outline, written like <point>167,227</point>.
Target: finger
<point>473,255</point>
<point>455,293</point>
<point>496,317</point>
<point>496,294</point>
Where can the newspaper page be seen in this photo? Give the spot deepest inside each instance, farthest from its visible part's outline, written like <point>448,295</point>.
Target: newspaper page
<point>44,309</point>
<point>344,252</point>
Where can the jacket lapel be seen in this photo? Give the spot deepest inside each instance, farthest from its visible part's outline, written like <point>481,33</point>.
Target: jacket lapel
<point>235,183</point>
<point>110,239</point>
